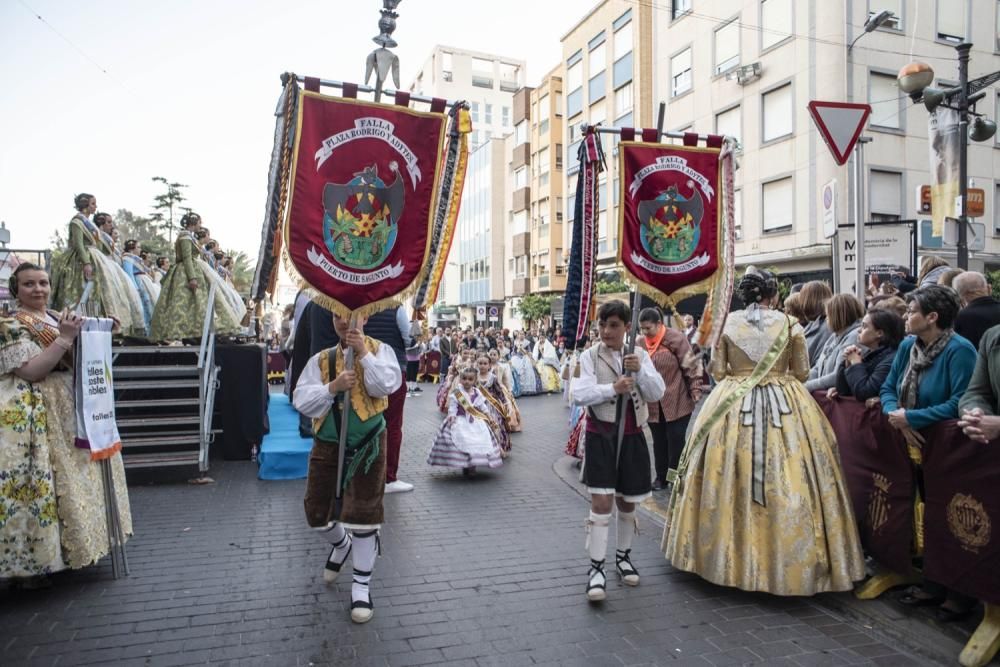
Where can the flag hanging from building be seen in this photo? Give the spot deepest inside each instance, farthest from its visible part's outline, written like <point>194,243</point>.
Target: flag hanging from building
<point>944,139</point>
<point>675,223</point>
<point>363,192</point>
<point>583,245</point>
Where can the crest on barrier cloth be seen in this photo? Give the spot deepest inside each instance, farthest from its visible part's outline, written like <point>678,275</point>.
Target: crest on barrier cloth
<point>969,522</point>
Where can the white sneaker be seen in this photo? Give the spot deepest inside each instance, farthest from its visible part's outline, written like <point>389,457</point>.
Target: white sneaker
<point>399,486</point>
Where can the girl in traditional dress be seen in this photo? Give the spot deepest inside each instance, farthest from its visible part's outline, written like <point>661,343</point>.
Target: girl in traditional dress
<point>759,502</point>
<point>51,493</point>
<point>526,377</point>
<point>180,312</point>
<point>498,398</point>
<point>501,367</point>
<point>547,362</point>
<point>153,285</point>
<point>468,437</point>
<point>162,266</point>
<point>136,270</point>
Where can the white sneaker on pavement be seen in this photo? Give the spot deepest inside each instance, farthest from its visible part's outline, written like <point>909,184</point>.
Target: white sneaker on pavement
<point>399,486</point>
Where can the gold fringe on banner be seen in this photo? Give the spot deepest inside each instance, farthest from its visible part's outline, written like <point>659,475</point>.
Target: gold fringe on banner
<point>437,271</point>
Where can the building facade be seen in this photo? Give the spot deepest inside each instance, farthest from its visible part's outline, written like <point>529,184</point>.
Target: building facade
<point>749,68</point>
<point>479,245</point>
<point>488,82</point>
<point>608,63</point>
<point>536,256</point>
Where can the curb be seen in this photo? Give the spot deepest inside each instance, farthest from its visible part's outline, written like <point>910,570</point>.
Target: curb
<point>915,631</point>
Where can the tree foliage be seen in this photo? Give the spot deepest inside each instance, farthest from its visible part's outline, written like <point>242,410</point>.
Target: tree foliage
<point>164,204</point>
<point>143,229</point>
<point>534,306</point>
<point>243,270</point>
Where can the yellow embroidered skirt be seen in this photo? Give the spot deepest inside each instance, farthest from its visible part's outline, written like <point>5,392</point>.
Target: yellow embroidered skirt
<point>802,539</point>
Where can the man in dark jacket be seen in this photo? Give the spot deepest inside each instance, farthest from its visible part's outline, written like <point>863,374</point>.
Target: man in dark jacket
<point>980,311</point>
<point>980,405</point>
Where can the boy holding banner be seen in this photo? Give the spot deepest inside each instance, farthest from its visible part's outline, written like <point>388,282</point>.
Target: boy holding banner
<point>612,469</point>
<point>320,390</point>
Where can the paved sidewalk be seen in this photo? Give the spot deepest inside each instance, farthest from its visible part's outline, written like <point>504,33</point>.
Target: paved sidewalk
<point>487,571</point>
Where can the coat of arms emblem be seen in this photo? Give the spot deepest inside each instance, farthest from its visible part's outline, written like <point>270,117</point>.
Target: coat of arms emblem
<point>670,225</point>
<point>969,522</point>
<point>360,221</point>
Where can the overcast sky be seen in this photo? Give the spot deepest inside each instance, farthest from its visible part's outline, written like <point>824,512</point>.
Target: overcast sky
<point>190,90</point>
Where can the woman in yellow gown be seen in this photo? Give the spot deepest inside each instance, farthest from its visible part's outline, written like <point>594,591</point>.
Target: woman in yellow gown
<point>759,502</point>
<point>52,501</point>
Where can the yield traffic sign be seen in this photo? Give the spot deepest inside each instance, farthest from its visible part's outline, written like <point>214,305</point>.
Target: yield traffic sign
<point>840,123</point>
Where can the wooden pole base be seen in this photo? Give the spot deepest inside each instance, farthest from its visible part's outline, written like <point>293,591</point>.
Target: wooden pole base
<point>985,641</point>
<point>883,581</point>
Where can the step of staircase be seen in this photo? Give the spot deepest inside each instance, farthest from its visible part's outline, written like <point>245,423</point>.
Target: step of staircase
<point>157,402</point>
<point>125,372</point>
<point>155,349</point>
<point>160,459</point>
<point>162,440</point>
<point>142,422</point>
<point>191,383</point>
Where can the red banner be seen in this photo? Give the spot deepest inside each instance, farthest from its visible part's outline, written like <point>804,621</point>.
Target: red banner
<point>879,477</point>
<point>364,185</point>
<point>962,496</point>
<point>670,221</point>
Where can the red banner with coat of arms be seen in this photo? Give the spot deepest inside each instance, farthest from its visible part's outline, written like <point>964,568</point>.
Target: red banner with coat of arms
<point>362,197</point>
<point>670,219</point>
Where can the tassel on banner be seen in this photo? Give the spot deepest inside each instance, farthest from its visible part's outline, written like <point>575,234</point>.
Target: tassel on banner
<point>583,249</point>
<point>266,274</point>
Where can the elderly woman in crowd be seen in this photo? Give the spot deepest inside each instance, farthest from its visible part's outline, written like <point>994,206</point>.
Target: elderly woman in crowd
<point>980,405</point>
<point>843,317</point>
<point>812,299</point>
<point>892,303</point>
<point>793,308</point>
<point>862,372</point>
<point>928,377</point>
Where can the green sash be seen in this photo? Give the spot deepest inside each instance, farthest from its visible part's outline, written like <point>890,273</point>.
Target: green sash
<point>760,371</point>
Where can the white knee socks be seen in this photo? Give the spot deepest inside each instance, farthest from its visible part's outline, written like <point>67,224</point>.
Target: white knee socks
<point>365,551</point>
<point>597,535</point>
<point>627,527</point>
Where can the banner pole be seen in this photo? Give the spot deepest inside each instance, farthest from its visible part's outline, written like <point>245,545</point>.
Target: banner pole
<point>333,83</point>
<point>634,327</point>
<point>613,129</point>
<point>345,416</point>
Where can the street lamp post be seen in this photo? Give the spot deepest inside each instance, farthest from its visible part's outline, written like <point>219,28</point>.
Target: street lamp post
<point>915,79</point>
<point>962,251</point>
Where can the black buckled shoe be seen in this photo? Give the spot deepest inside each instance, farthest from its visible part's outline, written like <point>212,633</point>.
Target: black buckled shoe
<point>597,581</point>
<point>627,571</point>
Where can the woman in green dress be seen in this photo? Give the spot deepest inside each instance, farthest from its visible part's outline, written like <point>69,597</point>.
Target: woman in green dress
<point>120,283</point>
<point>83,262</point>
<point>180,310</point>
<point>52,501</point>
<point>74,267</point>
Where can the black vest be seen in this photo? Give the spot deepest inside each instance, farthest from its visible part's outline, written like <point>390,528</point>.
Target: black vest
<point>382,327</point>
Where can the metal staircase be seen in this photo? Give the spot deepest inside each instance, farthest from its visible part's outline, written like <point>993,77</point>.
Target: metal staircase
<point>164,399</point>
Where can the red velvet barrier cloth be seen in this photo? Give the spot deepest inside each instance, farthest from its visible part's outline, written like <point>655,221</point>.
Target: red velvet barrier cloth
<point>962,485</point>
<point>879,476</point>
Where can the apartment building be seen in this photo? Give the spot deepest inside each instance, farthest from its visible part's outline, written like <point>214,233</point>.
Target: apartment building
<point>608,63</point>
<point>478,247</point>
<point>748,68</point>
<point>488,82</point>
<point>536,256</point>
